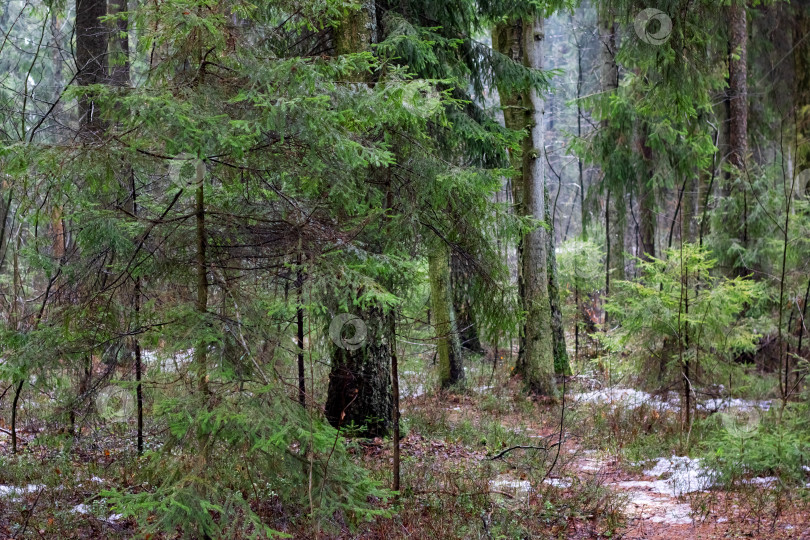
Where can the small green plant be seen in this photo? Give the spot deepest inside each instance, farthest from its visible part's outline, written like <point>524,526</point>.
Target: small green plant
<point>682,315</point>
<point>773,447</point>
<point>204,478</point>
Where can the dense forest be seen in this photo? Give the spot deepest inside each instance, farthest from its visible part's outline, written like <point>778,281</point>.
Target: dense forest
<point>404,269</point>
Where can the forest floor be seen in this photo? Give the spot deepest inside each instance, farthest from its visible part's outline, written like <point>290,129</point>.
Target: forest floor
<point>484,462</point>
<point>588,486</point>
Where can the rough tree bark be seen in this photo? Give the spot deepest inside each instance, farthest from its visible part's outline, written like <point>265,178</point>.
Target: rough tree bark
<point>461,280</point>
<point>646,201</point>
<point>615,222</point>
<point>451,367</point>
<point>539,355</point>
<point>562,365</point>
<point>801,90</point>
<point>91,59</point>
<point>507,39</point>
<point>360,390</point>
<point>738,120</point>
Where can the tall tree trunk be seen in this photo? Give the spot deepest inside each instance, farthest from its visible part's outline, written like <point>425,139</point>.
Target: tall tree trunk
<point>201,349</point>
<point>120,77</point>
<point>615,225</point>
<point>646,205</point>
<point>646,200</point>
<point>580,172</point>
<point>689,226</point>
<point>395,405</point>
<point>17,392</point>
<point>507,39</point>
<point>119,44</point>
<point>801,108</point>
<point>562,365</point>
<point>738,119</point>
<point>738,85</point>
<point>615,222</point>
<point>451,369</point>
<point>358,30</point>
<point>91,59</point>
<point>299,315</point>
<point>461,285</point>
<point>801,91</point>
<point>360,390</point>
<point>539,356</point>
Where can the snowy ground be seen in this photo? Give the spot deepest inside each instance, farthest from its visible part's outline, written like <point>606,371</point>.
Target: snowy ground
<point>632,398</point>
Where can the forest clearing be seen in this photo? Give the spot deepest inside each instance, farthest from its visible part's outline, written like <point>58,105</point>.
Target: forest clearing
<point>494,269</point>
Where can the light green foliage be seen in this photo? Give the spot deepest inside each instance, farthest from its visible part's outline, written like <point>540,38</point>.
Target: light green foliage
<point>762,447</point>
<point>680,310</point>
<point>581,266</point>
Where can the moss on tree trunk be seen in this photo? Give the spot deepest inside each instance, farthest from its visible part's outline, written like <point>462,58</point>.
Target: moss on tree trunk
<point>451,370</point>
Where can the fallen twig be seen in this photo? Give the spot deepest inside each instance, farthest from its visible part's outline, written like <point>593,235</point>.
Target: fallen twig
<point>520,447</point>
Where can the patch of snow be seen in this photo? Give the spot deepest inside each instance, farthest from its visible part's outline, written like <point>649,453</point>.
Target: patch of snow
<point>15,492</point>
<point>558,482</point>
<point>84,509</point>
<point>81,509</point>
<point>722,520</point>
<point>686,475</point>
<point>165,362</point>
<point>742,405</point>
<point>657,508</point>
<point>413,391</point>
<point>591,463</point>
<point>632,398</point>
<point>627,397</point>
<point>504,482</point>
<point>483,389</point>
<point>761,481</point>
